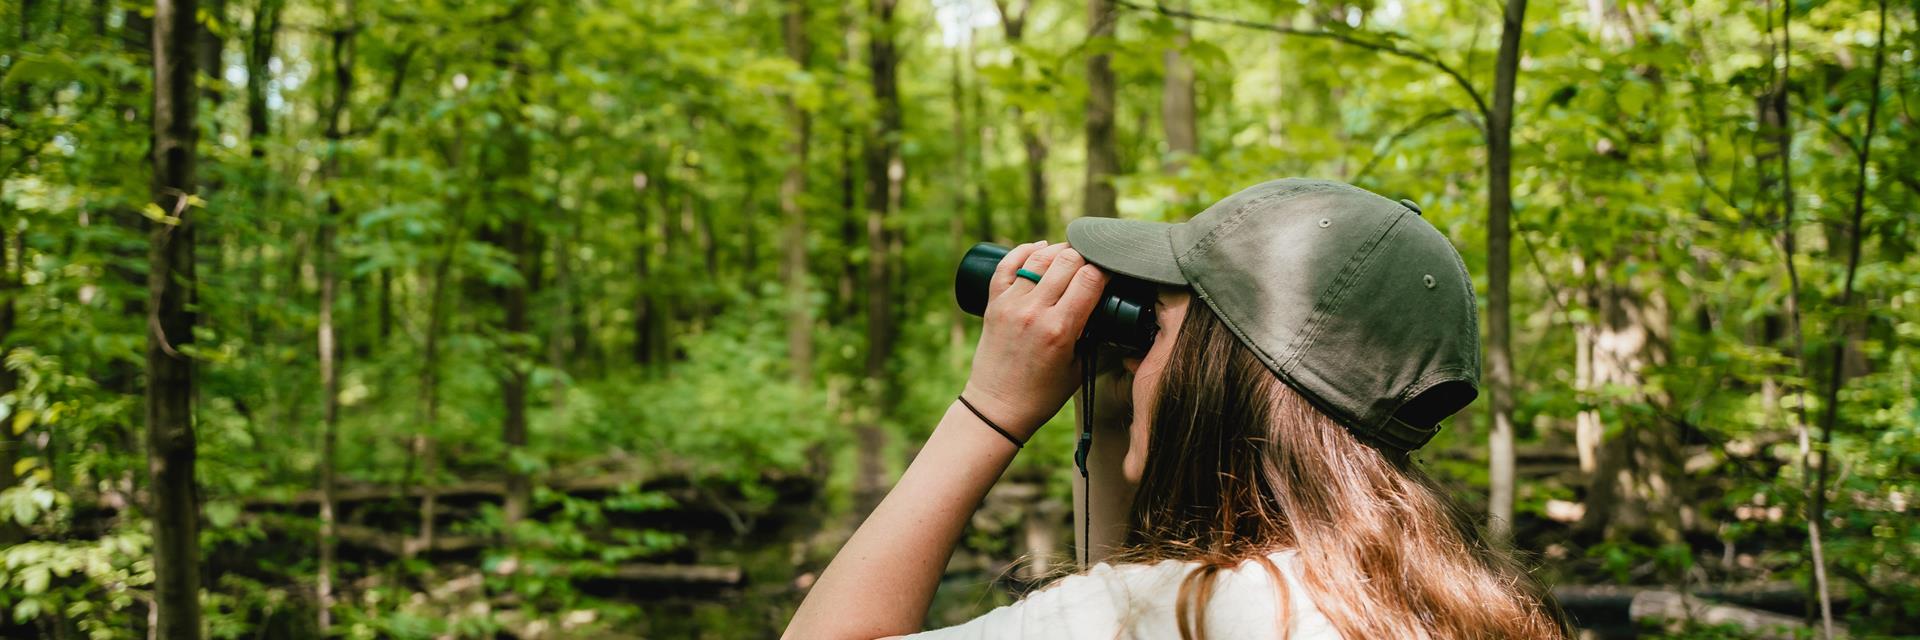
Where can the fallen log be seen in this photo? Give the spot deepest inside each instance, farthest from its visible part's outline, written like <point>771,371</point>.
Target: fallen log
<point>470,584</point>
<point>679,574</point>
<point>1659,607</point>
<point>347,493</point>
<point>1767,595</point>
<point>393,544</point>
<point>400,545</point>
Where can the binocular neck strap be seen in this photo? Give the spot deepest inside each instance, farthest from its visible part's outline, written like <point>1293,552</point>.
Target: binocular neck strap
<point>1088,349</point>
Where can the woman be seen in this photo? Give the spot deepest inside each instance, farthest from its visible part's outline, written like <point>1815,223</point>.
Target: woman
<point>1312,334</point>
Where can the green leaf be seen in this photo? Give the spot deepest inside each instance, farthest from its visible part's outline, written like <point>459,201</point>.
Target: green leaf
<point>222,514</point>
<point>23,511</point>
<point>41,68</point>
<point>1633,97</point>
<point>26,610</point>
<point>155,213</point>
<point>34,580</point>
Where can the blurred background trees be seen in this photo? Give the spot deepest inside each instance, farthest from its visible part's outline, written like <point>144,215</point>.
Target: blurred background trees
<point>562,319</point>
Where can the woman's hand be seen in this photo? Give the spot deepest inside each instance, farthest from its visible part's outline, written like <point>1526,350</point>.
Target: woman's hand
<point>1024,367</point>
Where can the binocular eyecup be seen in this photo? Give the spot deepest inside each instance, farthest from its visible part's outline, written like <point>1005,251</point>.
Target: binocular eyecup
<point>1123,319</point>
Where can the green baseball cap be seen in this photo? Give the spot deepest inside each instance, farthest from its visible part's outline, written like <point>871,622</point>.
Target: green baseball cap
<point>1353,300</point>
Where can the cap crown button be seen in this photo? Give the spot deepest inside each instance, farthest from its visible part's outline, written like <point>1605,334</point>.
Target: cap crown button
<point>1411,205</point>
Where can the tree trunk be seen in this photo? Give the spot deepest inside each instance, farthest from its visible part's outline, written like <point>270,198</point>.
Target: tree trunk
<point>1499,260</point>
<point>522,244</point>
<point>13,261</point>
<point>266,27</point>
<point>1103,160</point>
<point>170,319</point>
<point>644,308</point>
<point>383,301</point>
<point>882,169</point>
<point>750,218</point>
<point>1176,101</point>
<point>1039,221</point>
<point>1587,428</point>
<point>964,182</point>
<point>851,221</point>
<point>793,213</point>
<point>424,446</point>
<point>208,58</point>
<point>693,210</point>
<point>1837,360</point>
<point>343,58</point>
<point>262,31</point>
<point>1638,487</point>
<point>1775,117</point>
<point>1014,23</point>
<point>122,378</point>
<point>977,161</point>
<point>517,237</point>
<point>668,288</point>
<point>560,328</point>
<point>11,253</point>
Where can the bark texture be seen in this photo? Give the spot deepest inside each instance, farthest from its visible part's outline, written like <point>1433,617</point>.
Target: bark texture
<point>1177,115</point>
<point>1103,159</point>
<point>793,213</point>
<point>1013,21</point>
<point>1499,269</point>
<point>884,174</point>
<point>329,352</point>
<point>175,506</point>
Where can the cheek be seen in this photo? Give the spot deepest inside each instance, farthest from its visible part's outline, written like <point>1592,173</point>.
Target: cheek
<point>1146,380</point>
<point>1146,398</point>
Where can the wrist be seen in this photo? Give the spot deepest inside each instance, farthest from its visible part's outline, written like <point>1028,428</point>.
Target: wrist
<point>1016,441</point>
<point>965,437</point>
<point>997,409</point>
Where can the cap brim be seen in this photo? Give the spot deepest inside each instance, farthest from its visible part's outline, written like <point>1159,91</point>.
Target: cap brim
<point>1134,248</point>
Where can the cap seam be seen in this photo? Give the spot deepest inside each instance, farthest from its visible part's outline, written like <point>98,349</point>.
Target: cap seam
<point>1473,310</point>
<point>1357,265</point>
<point>1236,216</point>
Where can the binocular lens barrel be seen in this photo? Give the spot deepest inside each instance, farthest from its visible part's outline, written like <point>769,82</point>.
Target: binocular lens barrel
<point>1123,318</point>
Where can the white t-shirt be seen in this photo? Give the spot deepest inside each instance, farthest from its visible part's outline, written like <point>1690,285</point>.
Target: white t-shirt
<point>1137,601</point>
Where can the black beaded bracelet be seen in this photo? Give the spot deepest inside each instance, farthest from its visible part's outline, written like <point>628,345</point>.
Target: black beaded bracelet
<point>1017,444</point>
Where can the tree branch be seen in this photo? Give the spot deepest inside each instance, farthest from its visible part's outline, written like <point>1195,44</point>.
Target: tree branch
<point>1832,128</point>
<point>393,89</point>
<point>1386,47</point>
<point>1836,371</point>
<point>1422,123</point>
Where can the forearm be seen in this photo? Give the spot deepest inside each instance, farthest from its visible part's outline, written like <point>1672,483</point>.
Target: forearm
<point>883,580</point>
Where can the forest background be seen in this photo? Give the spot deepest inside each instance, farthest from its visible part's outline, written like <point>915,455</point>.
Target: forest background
<point>370,318</point>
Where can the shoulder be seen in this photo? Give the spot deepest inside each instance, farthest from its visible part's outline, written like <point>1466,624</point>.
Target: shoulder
<point>1257,599</point>
<point>1140,600</point>
<point>1101,603</point>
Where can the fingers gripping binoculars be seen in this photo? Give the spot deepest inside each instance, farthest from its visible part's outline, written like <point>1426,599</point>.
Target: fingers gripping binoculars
<point>1123,319</point>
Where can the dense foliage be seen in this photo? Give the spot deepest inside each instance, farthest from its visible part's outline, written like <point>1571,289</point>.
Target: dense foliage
<point>550,318</point>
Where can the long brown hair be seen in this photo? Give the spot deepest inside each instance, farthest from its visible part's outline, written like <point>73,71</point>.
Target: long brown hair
<point>1239,466</point>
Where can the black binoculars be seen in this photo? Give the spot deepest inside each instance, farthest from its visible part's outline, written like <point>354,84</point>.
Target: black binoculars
<point>1124,318</point>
